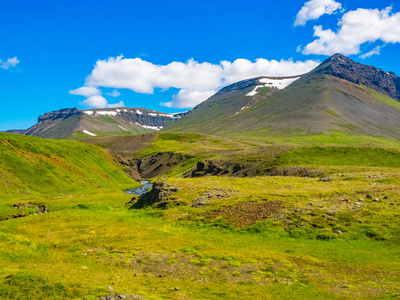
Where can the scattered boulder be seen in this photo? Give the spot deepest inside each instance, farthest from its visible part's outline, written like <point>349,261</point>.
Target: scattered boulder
<point>357,203</point>
<point>392,203</point>
<point>368,197</point>
<point>375,199</point>
<point>325,179</point>
<point>337,231</point>
<point>42,209</point>
<point>386,197</point>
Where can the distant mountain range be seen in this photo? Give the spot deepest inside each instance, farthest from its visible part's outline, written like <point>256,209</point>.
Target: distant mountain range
<point>75,123</point>
<point>339,94</point>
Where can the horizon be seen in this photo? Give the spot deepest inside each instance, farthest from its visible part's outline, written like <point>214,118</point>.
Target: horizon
<point>171,56</point>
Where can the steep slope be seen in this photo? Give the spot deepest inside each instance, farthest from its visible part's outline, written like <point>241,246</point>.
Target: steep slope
<point>337,95</point>
<point>31,165</point>
<point>74,123</point>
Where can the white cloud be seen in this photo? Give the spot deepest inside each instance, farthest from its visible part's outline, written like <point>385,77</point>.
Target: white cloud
<point>114,93</point>
<point>119,104</point>
<point>188,98</point>
<point>196,81</point>
<point>314,9</point>
<point>86,91</point>
<point>98,101</point>
<point>11,62</point>
<point>94,98</point>
<point>356,28</point>
<point>376,50</point>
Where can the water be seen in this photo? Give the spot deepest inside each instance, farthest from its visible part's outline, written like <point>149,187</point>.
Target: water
<point>142,190</point>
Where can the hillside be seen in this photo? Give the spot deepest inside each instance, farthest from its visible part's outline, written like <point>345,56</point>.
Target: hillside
<point>339,95</point>
<point>72,123</point>
<point>35,166</point>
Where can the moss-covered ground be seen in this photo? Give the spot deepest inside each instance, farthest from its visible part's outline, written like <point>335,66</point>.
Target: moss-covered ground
<point>264,237</point>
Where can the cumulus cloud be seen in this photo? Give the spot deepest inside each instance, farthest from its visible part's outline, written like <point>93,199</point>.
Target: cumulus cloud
<point>94,97</point>
<point>356,28</point>
<point>114,94</point>
<point>96,101</point>
<point>196,81</point>
<point>86,91</point>
<point>11,62</point>
<point>314,9</point>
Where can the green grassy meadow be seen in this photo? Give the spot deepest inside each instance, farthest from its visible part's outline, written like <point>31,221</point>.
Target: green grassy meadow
<point>217,237</point>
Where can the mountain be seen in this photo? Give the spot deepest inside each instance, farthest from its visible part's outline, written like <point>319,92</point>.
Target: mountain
<point>75,123</point>
<point>339,94</point>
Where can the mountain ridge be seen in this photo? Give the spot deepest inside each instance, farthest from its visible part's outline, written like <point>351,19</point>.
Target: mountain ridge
<point>325,99</point>
<point>73,123</point>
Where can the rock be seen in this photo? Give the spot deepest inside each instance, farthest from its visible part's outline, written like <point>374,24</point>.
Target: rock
<point>357,203</point>
<point>176,289</point>
<point>325,179</point>
<point>42,209</point>
<point>298,210</point>
<point>160,276</point>
<point>121,296</point>
<point>375,200</point>
<point>386,197</point>
<point>361,199</point>
<point>110,288</point>
<point>368,197</point>
<point>392,203</point>
<point>337,231</point>
<point>346,200</point>
<point>160,193</point>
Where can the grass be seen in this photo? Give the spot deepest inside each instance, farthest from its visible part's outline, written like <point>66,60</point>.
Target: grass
<point>33,166</point>
<point>51,256</point>
<point>263,237</point>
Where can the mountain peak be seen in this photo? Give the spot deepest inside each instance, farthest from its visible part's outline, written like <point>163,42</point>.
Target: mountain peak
<point>343,67</point>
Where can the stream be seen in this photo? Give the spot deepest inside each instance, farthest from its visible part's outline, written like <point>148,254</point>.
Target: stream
<point>142,190</point>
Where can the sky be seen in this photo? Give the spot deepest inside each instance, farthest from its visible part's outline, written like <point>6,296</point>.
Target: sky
<point>172,55</point>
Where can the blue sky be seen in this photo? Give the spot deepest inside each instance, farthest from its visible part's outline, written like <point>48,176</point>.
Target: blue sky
<point>166,55</point>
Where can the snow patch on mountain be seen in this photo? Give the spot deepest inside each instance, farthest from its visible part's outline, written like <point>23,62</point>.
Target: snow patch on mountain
<point>271,82</point>
<point>89,133</point>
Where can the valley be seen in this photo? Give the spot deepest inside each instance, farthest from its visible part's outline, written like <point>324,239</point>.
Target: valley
<point>257,193</point>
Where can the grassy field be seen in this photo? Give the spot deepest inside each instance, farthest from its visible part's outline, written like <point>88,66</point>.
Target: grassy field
<point>215,237</point>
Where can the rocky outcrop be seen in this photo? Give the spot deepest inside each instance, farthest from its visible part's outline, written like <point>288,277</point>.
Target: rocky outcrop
<point>343,67</point>
<point>59,114</point>
<point>215,168</point>
<point>160,163</point>
<point>160,194</point>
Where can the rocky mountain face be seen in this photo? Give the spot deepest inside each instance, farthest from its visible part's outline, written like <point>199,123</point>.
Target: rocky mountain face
<point>75,123</point>
<point>343,67</point>
<point>338,95</point>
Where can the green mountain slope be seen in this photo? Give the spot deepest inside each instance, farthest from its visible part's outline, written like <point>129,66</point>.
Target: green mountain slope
<point>30,165</point>
<point>317,103</point>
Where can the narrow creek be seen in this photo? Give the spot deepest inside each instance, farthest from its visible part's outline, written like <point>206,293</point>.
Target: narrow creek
<point>142,190</point>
